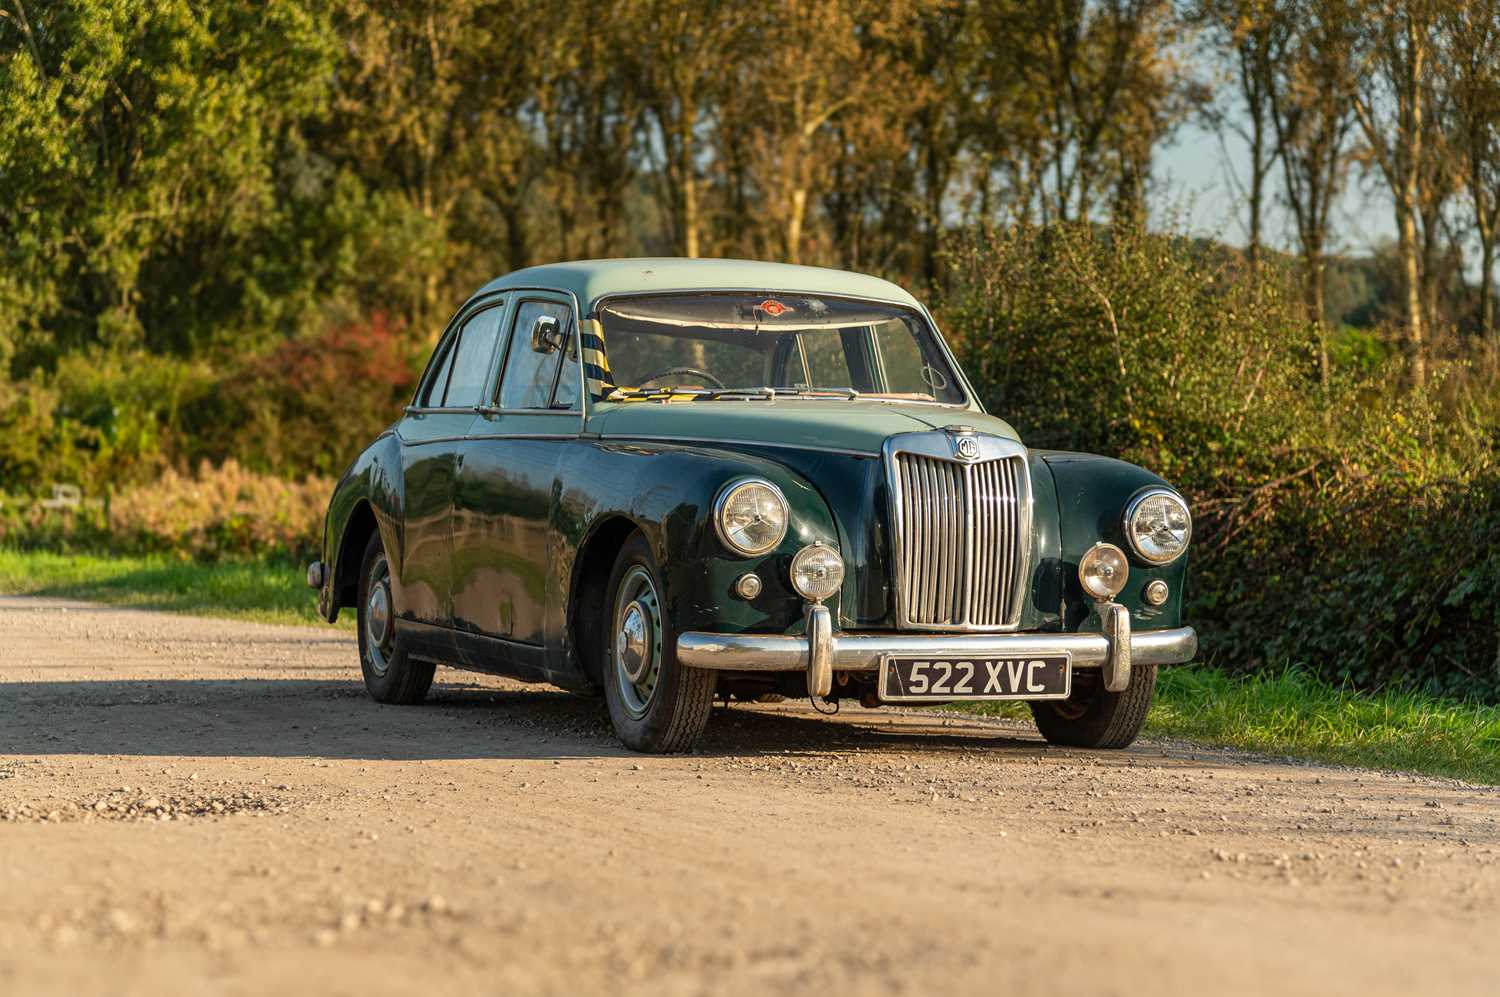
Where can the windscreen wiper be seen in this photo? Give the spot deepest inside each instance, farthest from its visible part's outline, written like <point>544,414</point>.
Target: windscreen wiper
<point>816,392</point>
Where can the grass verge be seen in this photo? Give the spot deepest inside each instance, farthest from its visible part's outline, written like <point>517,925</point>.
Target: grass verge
<point>1294,714</point>
<point>264,591</point>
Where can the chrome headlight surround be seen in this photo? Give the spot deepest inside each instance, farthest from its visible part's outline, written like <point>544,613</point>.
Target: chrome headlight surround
<point>1137,506</point>
<point>721,507</point>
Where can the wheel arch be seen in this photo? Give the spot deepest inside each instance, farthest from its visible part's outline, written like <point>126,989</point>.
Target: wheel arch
<point>357,531</point>
<point>587,592</point>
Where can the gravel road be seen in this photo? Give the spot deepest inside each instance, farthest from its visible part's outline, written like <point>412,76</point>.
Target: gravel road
<point>201,806</point>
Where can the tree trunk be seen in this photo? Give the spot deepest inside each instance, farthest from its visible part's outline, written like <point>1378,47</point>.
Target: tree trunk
<point>1411,272</point>
<point>689,212</point>
<point>796,210</point>
<point>1317,308</point>
<point>1487,289</point>
<point>1257,188</point>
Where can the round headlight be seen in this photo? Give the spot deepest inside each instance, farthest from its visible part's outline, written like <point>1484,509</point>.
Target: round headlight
<point>751,516</point>
<point>1102,571</point>
<point>817,572</point>
<point>1158,526</point>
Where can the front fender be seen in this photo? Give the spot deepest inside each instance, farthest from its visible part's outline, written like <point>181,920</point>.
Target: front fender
<point>668,492</point>
<point>373,486</point>
<point>1092,493</point>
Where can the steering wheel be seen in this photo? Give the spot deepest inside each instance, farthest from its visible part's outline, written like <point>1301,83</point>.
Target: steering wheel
<point>670,371</point>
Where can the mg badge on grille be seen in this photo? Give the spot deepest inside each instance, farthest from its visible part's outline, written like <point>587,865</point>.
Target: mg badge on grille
<point>966,448</point>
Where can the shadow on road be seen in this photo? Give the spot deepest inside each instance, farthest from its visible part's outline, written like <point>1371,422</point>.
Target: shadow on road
<point>335,719</point>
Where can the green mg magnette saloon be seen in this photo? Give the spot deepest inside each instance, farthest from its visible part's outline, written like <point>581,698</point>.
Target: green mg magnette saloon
<point>676,480</point>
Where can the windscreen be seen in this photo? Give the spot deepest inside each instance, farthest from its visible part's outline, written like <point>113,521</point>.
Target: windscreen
<point>727,344</point>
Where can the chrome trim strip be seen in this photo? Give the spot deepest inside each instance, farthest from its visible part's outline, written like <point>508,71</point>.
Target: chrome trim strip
<point>919,553</point>
<point>524,436</point>
<point>863,652</point>
<point>711,440</point>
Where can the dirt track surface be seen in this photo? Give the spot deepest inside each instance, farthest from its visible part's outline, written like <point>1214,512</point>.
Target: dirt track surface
<point>201,806</point>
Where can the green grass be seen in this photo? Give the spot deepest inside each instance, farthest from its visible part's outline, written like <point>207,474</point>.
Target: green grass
<point>265,591</point>
<point>1297,715</point>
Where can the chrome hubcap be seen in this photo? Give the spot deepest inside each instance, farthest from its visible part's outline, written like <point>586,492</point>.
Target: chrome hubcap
<point>379,614</point>
<point>633,642</point>
<point>636,648</point>
<point>379,633</point>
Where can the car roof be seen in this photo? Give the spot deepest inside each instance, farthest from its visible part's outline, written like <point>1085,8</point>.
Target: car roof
<point>590,280</point>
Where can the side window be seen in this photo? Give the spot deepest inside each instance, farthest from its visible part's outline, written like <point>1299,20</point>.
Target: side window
<point>529,375</point>
<point>432,391</point>
<point>566,395</point>
<point>471,364</point>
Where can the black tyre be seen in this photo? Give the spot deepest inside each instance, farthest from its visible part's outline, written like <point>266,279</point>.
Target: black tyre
<point>1093,717</point>
<point>391,676</point>
<point>655,704</point>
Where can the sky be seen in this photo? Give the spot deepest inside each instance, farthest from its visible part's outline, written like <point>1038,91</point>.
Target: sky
<point>1195,179</point>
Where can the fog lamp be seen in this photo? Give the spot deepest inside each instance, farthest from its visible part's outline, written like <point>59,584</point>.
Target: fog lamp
<point>817,572</point>
<point>1103,571</point>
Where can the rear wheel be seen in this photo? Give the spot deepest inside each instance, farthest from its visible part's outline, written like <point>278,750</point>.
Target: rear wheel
<point>391,676</point>
<point>1094,717</point>
<point>656,704</point>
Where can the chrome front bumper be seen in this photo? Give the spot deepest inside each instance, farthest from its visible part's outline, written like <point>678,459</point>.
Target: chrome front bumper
<point>821,651</point>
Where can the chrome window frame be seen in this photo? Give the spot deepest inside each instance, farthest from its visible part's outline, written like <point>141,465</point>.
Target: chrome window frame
<point>937,444</point>
<point>505,297</point>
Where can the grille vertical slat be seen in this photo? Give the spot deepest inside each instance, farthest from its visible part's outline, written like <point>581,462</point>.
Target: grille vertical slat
<point>954,580</point>
<point>960,545</point>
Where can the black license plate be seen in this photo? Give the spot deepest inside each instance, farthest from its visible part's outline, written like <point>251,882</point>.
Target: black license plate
<point>944,679</point>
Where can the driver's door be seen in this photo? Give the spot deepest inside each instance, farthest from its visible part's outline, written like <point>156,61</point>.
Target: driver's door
<point>505,492</point>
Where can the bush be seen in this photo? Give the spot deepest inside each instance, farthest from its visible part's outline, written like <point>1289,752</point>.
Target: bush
<point>310,404</point>
<point>1125,342</point>
<point>223,512</point>
<point>1351,529</point>
<point>98,419</point>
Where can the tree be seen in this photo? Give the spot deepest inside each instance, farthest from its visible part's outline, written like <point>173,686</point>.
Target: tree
<point>1108,88</point>
<point>588,115</point>
<point>1395,65</point>
<point>1470,69</point>
<point>428,114</point>
<point>825,64</point>
<point>1254,35</point>
<point>139,150</point>
<point>682,61</point>
<point>1312,111</point>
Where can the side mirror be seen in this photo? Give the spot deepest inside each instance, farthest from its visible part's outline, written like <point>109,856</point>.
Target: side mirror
<point>547,335</point>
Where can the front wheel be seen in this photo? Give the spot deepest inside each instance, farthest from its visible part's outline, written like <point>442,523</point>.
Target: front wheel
<point>656,704</point>
<point>1094,717</point>
<point>391,675</point>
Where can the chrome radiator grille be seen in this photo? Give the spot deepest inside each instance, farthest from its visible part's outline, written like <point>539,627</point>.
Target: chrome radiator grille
<point>961,540</point>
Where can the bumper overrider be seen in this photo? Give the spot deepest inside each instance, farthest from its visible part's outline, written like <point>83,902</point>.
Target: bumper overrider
<point>820,650</point>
